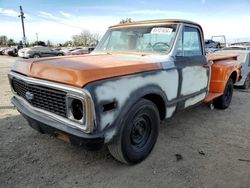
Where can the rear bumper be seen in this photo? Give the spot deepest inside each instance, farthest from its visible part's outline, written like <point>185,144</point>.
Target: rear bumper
<point>46,124</point>
<point>241,81</point>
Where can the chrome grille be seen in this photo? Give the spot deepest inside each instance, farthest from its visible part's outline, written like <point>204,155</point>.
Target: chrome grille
<point>42,97</point>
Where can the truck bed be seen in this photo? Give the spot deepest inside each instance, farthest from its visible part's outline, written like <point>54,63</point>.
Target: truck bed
<point>222,67</point>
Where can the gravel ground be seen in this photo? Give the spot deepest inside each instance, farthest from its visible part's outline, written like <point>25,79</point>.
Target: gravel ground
<point>212,147</point>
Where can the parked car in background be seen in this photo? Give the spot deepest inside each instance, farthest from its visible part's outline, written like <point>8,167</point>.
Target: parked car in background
<point>2,49</point>
<point>85,50</point>
<point>211,44</point>
<point>211,50</point>
<point>244,60</point>
<point>12,51</point>
<point>68,51</point>
<point>238,47</point>
<point>57,49</point>
<point>38,51</point>
<point>220,39</point>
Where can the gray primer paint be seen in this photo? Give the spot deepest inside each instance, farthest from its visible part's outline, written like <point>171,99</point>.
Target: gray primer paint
<point>182,80</point>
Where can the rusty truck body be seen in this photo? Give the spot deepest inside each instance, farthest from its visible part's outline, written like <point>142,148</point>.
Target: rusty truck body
<point>139,74</point>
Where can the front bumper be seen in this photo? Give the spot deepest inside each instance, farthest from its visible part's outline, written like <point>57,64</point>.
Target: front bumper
<point>24,55</point>
<point>46,124</point>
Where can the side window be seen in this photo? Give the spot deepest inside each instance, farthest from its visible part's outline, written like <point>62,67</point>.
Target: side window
<point>190,43</point>
<point>45,49</point>
<point>180,47</point>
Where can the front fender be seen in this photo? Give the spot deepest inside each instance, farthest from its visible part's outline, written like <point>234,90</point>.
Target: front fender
<point>114,97</point>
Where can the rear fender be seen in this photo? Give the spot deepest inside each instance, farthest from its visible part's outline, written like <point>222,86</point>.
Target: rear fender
<point>221,74</point>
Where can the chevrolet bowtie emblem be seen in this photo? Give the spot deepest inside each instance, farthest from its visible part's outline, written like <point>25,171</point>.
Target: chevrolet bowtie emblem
<point>29,96</point>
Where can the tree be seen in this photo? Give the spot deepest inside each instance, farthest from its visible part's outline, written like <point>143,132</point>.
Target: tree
<point>20,44</point>
<point>11,42</point>
<point>49,44</point>
<point>68,43</point>
<point>3,40</point>
<point>127,20</point>
<point>86,38</point>
<point>38,43</point>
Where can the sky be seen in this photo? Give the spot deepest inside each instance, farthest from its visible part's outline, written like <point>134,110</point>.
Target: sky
<point>58,20</point>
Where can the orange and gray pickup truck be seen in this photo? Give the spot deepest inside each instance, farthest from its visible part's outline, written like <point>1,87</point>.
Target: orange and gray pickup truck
<point>140,73</point>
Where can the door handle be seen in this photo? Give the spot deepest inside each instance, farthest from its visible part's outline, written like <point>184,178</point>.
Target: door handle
<point>207,65</point>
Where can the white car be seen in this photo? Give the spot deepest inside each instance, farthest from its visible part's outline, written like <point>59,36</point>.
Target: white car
<point>81,51</point>
<point>68,51</point>
<point>244,61</point>
<point>237,47</point>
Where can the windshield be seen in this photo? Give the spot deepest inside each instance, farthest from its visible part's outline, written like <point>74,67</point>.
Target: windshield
<point>143,39</point>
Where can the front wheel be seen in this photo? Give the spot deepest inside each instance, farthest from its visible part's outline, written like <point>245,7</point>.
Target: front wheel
<point>224,101</point>
<point>138,133</point>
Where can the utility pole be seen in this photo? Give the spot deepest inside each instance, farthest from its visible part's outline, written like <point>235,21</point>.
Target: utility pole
<point>22,18</point>
<point>36,37</point>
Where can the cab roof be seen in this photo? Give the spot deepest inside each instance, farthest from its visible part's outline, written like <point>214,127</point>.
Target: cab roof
<point>152,22</point>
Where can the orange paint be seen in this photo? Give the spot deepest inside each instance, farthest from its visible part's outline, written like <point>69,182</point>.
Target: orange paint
<point>221,69</point>
<point>80,70</point>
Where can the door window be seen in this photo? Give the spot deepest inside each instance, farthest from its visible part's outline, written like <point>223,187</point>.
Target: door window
<point>190,43</point>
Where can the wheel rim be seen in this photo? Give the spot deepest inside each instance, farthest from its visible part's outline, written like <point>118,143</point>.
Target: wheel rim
<point>140,132</point>
<point>36,56</point>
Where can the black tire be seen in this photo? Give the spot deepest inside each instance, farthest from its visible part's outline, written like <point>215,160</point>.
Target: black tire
<point>60,54</point>
<point>36,56</point>
<point>247,82</point>
<point>224,101</point>
<point>138,133</point>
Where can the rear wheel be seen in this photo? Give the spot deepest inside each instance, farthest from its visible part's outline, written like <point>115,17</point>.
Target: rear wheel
<point>36,56</point>
<point>224,101</point>
<point>247,82</point>
<point>138,133</point>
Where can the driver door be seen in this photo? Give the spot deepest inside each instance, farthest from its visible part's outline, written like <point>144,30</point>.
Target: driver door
<point>192,65</point>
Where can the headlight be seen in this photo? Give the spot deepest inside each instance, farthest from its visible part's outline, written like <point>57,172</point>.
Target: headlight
<point>76,110</point>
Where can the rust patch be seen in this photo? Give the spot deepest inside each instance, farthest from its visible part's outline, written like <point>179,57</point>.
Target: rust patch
<point>62,136</point>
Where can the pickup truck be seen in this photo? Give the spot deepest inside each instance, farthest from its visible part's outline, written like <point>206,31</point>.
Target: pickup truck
<point>139,74</point>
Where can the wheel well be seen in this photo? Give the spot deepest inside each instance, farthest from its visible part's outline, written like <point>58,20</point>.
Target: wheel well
<point>234,76</point>
<point>36,54</point>
<point>159,102</point>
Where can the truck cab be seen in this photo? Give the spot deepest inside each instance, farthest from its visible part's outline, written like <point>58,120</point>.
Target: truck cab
<point>139,74</point>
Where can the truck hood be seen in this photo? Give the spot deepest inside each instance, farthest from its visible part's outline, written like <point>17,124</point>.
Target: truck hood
<point>81,70</point>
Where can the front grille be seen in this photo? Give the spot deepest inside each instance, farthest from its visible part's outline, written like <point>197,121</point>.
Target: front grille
<point>42,97</point>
